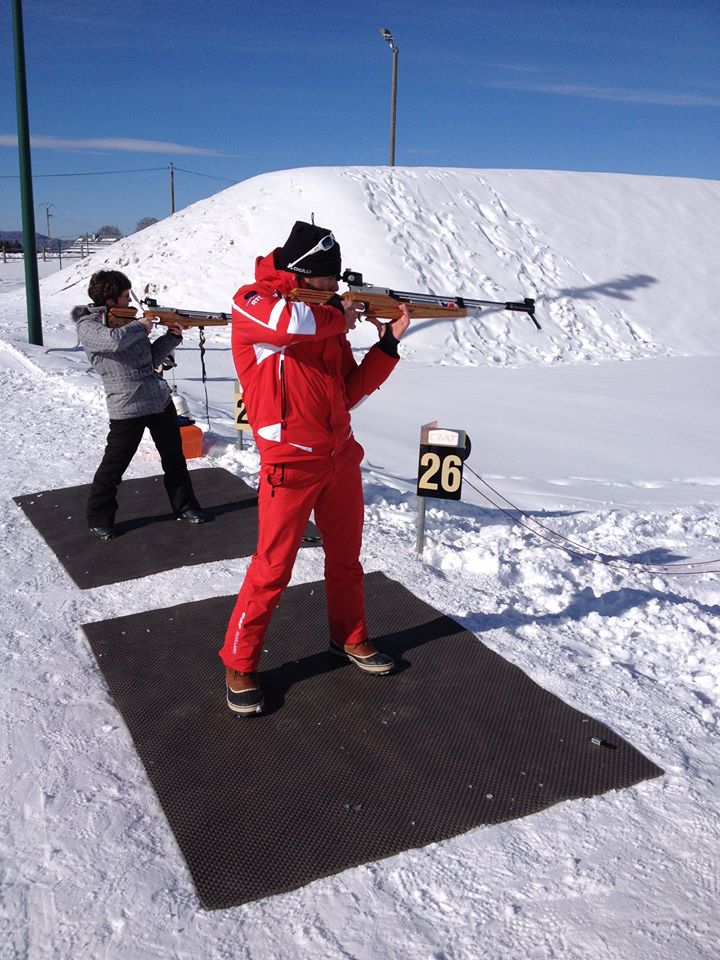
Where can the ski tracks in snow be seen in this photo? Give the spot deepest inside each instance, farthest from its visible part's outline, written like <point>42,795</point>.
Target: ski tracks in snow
<point>509,260</point>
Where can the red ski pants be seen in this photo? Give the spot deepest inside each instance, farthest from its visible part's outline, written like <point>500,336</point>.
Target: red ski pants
<point>332,487</point>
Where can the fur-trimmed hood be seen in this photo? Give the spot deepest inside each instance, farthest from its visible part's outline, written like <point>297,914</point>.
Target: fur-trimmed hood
<point>86,310</point>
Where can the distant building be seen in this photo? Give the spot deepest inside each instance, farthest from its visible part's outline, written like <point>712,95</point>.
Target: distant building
<point>88,244</point>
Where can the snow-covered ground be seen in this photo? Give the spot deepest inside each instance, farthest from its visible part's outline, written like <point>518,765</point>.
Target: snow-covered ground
<point>603,426</point>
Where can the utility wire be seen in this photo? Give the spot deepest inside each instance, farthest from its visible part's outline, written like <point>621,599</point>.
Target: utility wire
<point>103,173</point>
<point>90,173</point>
<point>224,179</point>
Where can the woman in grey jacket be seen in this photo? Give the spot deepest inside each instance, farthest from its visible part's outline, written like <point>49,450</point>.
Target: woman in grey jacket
<point>137,397</point>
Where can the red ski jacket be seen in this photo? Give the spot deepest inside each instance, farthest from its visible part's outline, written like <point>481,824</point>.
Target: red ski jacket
<point>296,369</point>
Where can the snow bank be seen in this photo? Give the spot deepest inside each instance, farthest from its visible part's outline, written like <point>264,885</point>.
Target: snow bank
<point>605,255</point>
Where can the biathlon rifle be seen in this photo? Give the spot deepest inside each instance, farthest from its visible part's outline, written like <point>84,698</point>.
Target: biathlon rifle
<point>385,304</point>
<point>119,316</point>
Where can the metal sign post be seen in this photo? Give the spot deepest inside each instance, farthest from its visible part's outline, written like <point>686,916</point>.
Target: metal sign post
<point>241,420</point>
<point>440,469</point>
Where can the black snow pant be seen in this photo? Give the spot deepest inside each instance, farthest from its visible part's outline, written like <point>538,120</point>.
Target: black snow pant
<point>122,443</point>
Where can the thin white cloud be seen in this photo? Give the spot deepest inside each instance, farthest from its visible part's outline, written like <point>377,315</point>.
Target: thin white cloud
<point>614,94</point>
<point>110,144</point>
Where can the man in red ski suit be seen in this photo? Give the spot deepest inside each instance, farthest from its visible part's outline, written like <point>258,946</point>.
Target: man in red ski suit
<point>299,381</point>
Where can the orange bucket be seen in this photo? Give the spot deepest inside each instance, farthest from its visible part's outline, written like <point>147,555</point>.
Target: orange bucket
<point>192,437</point>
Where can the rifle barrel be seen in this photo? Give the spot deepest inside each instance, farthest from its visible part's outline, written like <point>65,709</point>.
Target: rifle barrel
<point>526,306</point>
<point>190,314</point>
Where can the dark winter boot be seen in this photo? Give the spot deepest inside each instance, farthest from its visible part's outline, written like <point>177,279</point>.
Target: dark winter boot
<point>244,695</point>
<point>365,656</point>
<point>103,533</point>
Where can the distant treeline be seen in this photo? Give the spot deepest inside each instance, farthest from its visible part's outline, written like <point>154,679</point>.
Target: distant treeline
<point>12,240</point>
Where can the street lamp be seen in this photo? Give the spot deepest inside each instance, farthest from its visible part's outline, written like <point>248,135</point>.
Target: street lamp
<point>386,35</point>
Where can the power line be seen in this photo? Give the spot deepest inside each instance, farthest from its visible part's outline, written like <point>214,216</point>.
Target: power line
<point>224,179</point>
<point>104,173</point>
<point>91,173</point>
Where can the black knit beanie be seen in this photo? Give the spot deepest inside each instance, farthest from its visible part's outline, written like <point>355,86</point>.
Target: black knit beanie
<point>303,238</point>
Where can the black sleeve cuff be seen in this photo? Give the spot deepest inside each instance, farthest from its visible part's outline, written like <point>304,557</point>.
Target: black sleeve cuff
<point>388,343</point>
<point>335,301</point>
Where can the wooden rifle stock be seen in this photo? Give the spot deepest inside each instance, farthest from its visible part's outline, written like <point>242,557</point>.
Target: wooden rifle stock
<point>385,304</point>
<point>119,316</point>
<point>380,305</point>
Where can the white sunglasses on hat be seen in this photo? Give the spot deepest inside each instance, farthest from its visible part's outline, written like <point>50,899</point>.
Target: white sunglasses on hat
<point>326,243</point>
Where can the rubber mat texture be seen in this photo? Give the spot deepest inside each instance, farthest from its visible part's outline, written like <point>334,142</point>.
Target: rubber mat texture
<point>149,539</point>
<point>342,768</point>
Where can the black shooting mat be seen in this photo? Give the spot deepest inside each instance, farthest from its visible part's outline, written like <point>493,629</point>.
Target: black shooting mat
<point>342,768</point>
<point>149,539</point>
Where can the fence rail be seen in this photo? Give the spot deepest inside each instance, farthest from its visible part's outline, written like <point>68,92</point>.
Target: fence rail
<point>80,248</point>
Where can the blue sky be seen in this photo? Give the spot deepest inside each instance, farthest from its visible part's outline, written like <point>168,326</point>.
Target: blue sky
<point>229,90</point>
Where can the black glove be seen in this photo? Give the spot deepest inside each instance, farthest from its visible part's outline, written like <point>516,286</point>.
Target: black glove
<point>388,342</point>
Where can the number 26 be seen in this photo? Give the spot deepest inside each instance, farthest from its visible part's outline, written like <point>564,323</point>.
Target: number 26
<point>449,467</point>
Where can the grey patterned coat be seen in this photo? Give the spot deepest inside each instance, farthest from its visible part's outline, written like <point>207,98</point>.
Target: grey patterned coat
<point>125,358</point>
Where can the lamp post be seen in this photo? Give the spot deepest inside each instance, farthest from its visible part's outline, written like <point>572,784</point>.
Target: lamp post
<point>386,35</point>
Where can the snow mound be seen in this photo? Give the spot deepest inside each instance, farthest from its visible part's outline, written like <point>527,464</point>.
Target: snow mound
<point>612,259</point>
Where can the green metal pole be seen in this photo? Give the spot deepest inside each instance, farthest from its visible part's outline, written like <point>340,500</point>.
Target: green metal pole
<point>32,289</point>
